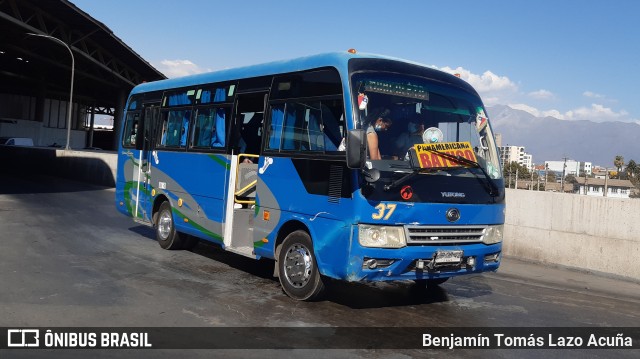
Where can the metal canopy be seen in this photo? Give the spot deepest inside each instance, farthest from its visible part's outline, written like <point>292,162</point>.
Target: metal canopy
<point>104,65</point>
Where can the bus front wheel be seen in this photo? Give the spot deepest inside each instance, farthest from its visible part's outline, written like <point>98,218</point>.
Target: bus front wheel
<point>298,269</point>
<point>166,233</point>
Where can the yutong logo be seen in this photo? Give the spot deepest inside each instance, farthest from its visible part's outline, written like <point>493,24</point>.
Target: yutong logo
<point>453,214</point>
<point>453,194</point>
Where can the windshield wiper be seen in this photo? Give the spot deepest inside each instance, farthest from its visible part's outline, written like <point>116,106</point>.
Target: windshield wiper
<point>402,179</point>
<point>492,188</point>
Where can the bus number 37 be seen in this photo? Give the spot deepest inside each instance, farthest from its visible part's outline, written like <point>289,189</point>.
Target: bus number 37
<point>384,211</point>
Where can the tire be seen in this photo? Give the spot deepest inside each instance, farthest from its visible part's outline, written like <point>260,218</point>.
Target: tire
<point>298,269</point>
<point>430,283</point>
<point>166,233</point>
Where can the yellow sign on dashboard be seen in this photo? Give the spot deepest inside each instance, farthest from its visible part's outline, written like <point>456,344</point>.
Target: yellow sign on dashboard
<point>428,156</point>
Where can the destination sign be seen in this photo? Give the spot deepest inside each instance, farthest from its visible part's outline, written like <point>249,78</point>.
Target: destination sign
<point>430,159</point>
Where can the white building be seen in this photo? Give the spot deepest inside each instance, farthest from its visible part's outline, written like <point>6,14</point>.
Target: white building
<point>613,188</point>
<point>569,167</point>
<point>498,139</point>
<point>527,161</point>
<point>572,167</point>
<point>517,154</point>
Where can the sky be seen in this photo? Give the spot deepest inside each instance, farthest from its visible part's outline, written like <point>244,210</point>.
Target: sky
<point>571,59</point>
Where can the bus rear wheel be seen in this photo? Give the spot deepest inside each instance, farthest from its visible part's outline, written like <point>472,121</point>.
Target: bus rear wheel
<point>166,233</point>
<point>298,269</point>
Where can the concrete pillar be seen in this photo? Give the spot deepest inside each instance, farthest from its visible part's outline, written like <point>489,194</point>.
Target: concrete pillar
<point>92,122</point>
<point>41,93</point>
<point>117,117</point>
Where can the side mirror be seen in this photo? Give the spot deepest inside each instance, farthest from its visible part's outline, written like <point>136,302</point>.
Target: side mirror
<point>356,148</point>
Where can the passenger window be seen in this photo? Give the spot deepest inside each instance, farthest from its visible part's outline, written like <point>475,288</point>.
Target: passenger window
<point>333,127</point>
<point>216,94</point>
<point>275,132</point>
<point>209,128</point>
<point>175,128</point>
<point>130,129</point>
<point>301,127</point>
<point>306,126</point>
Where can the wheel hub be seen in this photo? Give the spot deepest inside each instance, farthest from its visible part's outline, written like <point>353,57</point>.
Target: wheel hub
<point>164,225</point>
<point>298,265</point>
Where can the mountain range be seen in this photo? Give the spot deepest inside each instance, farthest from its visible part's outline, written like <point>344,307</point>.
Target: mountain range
<point>552,139</point>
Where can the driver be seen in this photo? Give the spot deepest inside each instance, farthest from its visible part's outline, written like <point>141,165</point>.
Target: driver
<point>380,122</point>
<point>413,137</point>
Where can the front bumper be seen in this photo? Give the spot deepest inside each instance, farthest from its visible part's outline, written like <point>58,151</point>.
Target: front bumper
<point>419,262</point>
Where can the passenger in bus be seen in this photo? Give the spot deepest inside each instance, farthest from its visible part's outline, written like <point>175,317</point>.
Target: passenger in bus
<point>134,133</point>
<point>184,130</point>
<point>380,122</point>
<point>413,137</point>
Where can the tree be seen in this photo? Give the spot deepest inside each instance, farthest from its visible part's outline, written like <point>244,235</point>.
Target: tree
<point>551,176</point>
<point>633,173</point>
<point>570,179</point>
<point>632,169</point>
<point>573,180</point>
<point>510,170</point>
<point>619,163</point>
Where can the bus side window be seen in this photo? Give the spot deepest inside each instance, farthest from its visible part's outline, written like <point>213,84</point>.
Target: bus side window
<point>332,124</point>
<point>313,126</point>
<point>219,135</point>
<point>203,128</point>
<point>209,128</point>
<point>184,131</point>
<point>301,130</point>
<point>163,133</point>
<point>175,128</point>
<point>275,131</point>
<point>130,129</point>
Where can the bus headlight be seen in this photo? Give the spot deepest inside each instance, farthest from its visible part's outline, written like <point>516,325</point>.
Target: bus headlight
<point>493,234</point>
<point>381,236</point>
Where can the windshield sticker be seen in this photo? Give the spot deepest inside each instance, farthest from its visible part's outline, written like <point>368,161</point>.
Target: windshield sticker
<point>429,157</point>
<point>363,100</point>
<point>481,119</point>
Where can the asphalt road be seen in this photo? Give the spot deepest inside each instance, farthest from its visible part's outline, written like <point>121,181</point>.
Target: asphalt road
<point>69,259</point>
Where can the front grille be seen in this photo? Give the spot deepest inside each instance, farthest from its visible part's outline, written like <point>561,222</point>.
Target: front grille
<point>428,235</point>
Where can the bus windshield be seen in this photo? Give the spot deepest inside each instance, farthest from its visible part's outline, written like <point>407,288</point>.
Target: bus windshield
<point>400,111</point>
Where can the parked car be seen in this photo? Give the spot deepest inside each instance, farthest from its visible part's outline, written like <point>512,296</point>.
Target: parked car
<point>16,141</point>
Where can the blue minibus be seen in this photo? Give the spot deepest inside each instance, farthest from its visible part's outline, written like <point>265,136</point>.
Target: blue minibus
<point>347,166</point>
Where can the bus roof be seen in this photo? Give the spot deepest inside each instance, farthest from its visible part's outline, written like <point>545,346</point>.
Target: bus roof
<point>338,60</point>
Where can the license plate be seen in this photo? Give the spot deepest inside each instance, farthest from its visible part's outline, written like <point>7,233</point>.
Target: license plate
<point>448,257</point>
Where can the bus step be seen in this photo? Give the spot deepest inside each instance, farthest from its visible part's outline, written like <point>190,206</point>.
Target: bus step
<point>142,221</point>
<point>245,251</point>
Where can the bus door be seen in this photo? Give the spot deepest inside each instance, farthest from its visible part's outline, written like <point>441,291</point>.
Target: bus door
<point>246,142</point>
<point>151,115</point>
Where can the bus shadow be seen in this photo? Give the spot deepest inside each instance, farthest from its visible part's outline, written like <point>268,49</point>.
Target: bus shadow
<point>144,231</point>
<point>262,268</point>
<point>383,294</point>
<point>350,294</point>
<point>355,295</point>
